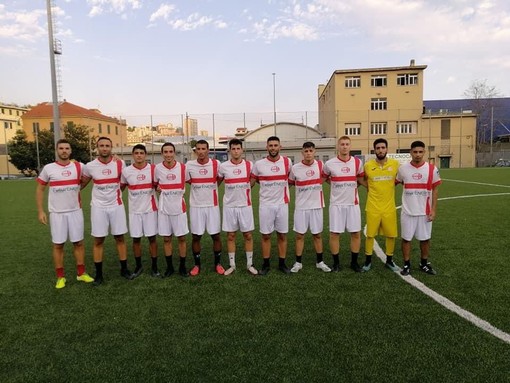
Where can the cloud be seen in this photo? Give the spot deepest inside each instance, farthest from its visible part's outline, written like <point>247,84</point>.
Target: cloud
<point>191,22</point>
<point>28,26</point>
<point>164,11</point>
<point>98,7</point>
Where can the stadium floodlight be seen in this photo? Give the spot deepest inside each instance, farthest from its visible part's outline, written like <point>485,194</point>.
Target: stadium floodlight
<point>54,91</point>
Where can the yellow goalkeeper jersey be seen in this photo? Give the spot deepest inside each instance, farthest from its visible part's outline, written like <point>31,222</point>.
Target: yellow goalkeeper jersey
<point>381,185</point>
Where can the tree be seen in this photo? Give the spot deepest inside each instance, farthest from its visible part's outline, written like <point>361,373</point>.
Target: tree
<point>82,143</point>
<point>482,101</point>
<point>21,153</point>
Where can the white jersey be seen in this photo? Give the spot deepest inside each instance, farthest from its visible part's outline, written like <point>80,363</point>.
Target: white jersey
<point>64,182</point>
<point>106,177</point>
<point>237,183</point>
<point>273,177</point>
<point>343,177</point>
<point>171,181</point>
<point>140,184</point>
<point>308,182</point>
<point>418,184</point>
<point>203,180</point>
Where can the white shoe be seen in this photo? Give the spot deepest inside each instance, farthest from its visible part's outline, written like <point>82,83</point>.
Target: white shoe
<point>252,270</point>
<point>323,267</point>
<point>297,266</point>
<point>230,270</point>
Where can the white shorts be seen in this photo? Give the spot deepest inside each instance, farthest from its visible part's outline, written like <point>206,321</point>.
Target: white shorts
<point>145,224</point>
<point>176,225</point>
<point>204,219</point>
<point>66,225</point>
<point>305,219</point>
<point>418,227</point>
<point>344,218</point>
<point>104,217</point>
<point>274,218</point>
<point>238,218</point>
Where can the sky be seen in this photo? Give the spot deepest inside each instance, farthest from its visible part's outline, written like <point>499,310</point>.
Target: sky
<point>140,58</point>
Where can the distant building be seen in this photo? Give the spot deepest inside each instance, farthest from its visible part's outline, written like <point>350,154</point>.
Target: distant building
<point>40,117</point>
<point>369,103</point>
<point>10,122</point>
<point>190,127</point>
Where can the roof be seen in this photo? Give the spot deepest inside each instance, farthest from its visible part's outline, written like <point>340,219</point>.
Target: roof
<point>45,110</point>
<point>383,69</point>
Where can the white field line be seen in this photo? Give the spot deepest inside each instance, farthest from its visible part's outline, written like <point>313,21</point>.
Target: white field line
<point>445,302</point>
<point>477,183</point>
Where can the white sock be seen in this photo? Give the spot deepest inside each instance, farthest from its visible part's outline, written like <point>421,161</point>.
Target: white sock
<point>232,259</point>
<point>249,259</point>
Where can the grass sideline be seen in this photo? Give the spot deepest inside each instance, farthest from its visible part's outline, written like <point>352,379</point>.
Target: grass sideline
<point>306,327</point>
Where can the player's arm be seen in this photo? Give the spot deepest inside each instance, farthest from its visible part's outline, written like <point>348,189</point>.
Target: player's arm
<point>84,182</point>
<point>39,199</point>
<point>435,197</point>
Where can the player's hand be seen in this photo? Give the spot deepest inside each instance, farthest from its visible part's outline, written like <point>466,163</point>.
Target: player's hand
<point>42,218</point>
<point>158,189</point>
<point>432,215</point>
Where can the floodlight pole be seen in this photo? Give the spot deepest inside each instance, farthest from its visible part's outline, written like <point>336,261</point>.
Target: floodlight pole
<point>54,92</point>
<point>274,103</point>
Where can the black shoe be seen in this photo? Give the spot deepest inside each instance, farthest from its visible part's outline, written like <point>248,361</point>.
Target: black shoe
<point>98,281</point>
<point>183,273</point>
<point>406,270</point>
<point>284,269</point>
<point>355,267</point>
<point>168,273</point>
<point>155,274</point>
<point>427,268</point>
<point>336,268</point>
<point>264,270</point>
<point>138,272</point>
<point>126,274</point>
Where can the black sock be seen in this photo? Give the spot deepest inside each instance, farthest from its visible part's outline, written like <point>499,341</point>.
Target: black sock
<point>196,257</point>
<point>354,257</point>
<point>407,263</point>
<point>217,257</point>
<point>266,263</point>
<point>182,263</point>
<point>123,265</point>
<point>281,261</point>
<point>99,268</point>
<point>368,260</point>
<point>389,258</point>
<point>299,258</point>
<point>169,264</point>
<point>336,259</point>
<point>319,257</point>
<point>424,261</point>
<point>138,261</point>
<point>154,263</point>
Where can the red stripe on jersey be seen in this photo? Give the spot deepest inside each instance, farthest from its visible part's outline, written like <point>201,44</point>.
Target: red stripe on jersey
<point>215,198</point>
<point>106,181</point>
<point>119,169</point>
<point>171,186</point>
<point>119,197</point>
<point>285,195</point>
<point>356,202</point>
<point>203,180</point>
<point>153,203</point>
<point>343,179</point>
<point>64,183</point>
<point>416,186</point>
<point>273,178</point>
<point>317,181</point>
<point>183,206</point>
<point>41,181</point>
<point>248,199</point>
<point>140,186</point>
<point>237,180</point>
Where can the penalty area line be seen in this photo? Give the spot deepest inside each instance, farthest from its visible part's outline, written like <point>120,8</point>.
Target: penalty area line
<point>476,183</point>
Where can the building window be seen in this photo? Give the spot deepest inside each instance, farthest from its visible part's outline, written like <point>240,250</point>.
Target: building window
<point>35,126</point>
<point>378,128</point>
<point>99,128</point>
<point>70,124</point>
<point>353,82</point>
<point>406,127</point>
<point>116,130</point>
<point>108,129</point>
<point>325,158</point>
<point>352,129</point>
<point>407,79</point>
<point>378,104</point>
<point>3,110</point>
<point>377,81</point>
<point>403,150</point>
<point>445,129</point>
<point>432,148</point>
<point>10,112</point>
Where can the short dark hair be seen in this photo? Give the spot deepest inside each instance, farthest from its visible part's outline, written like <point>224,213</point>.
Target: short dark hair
<point>272,138</point>
<point>139,147</point>
<point>308,144</point>
<point>104,138</point>
<point>62,141</point>
<point>235,141</point>
<point>417,144</point>
<point>167,144</point>
<point>380,141</point>
<point>202,142</point>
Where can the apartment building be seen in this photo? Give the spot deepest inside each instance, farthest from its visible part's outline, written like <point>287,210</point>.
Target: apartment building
<point>10,122</point>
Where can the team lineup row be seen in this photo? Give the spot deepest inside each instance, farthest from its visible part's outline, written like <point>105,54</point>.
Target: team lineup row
<point>168,214</point>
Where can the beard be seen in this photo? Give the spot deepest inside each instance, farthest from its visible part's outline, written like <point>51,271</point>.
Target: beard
<point>381,156</point>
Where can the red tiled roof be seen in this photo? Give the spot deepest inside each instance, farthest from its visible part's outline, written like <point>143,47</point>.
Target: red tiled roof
<point>67,110</point>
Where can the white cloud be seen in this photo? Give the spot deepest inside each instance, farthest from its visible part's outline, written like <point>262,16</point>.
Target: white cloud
<point>22,25</point>
<point>191,22</point>
<point>164,11</point>
<point>98,7</point>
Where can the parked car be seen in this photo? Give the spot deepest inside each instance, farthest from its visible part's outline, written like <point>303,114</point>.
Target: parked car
<point>501,163</point>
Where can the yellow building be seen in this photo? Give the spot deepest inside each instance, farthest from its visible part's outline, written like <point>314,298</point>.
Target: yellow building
<point>41,117</point>
<point>369,103</point>
<point>10,121</point>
